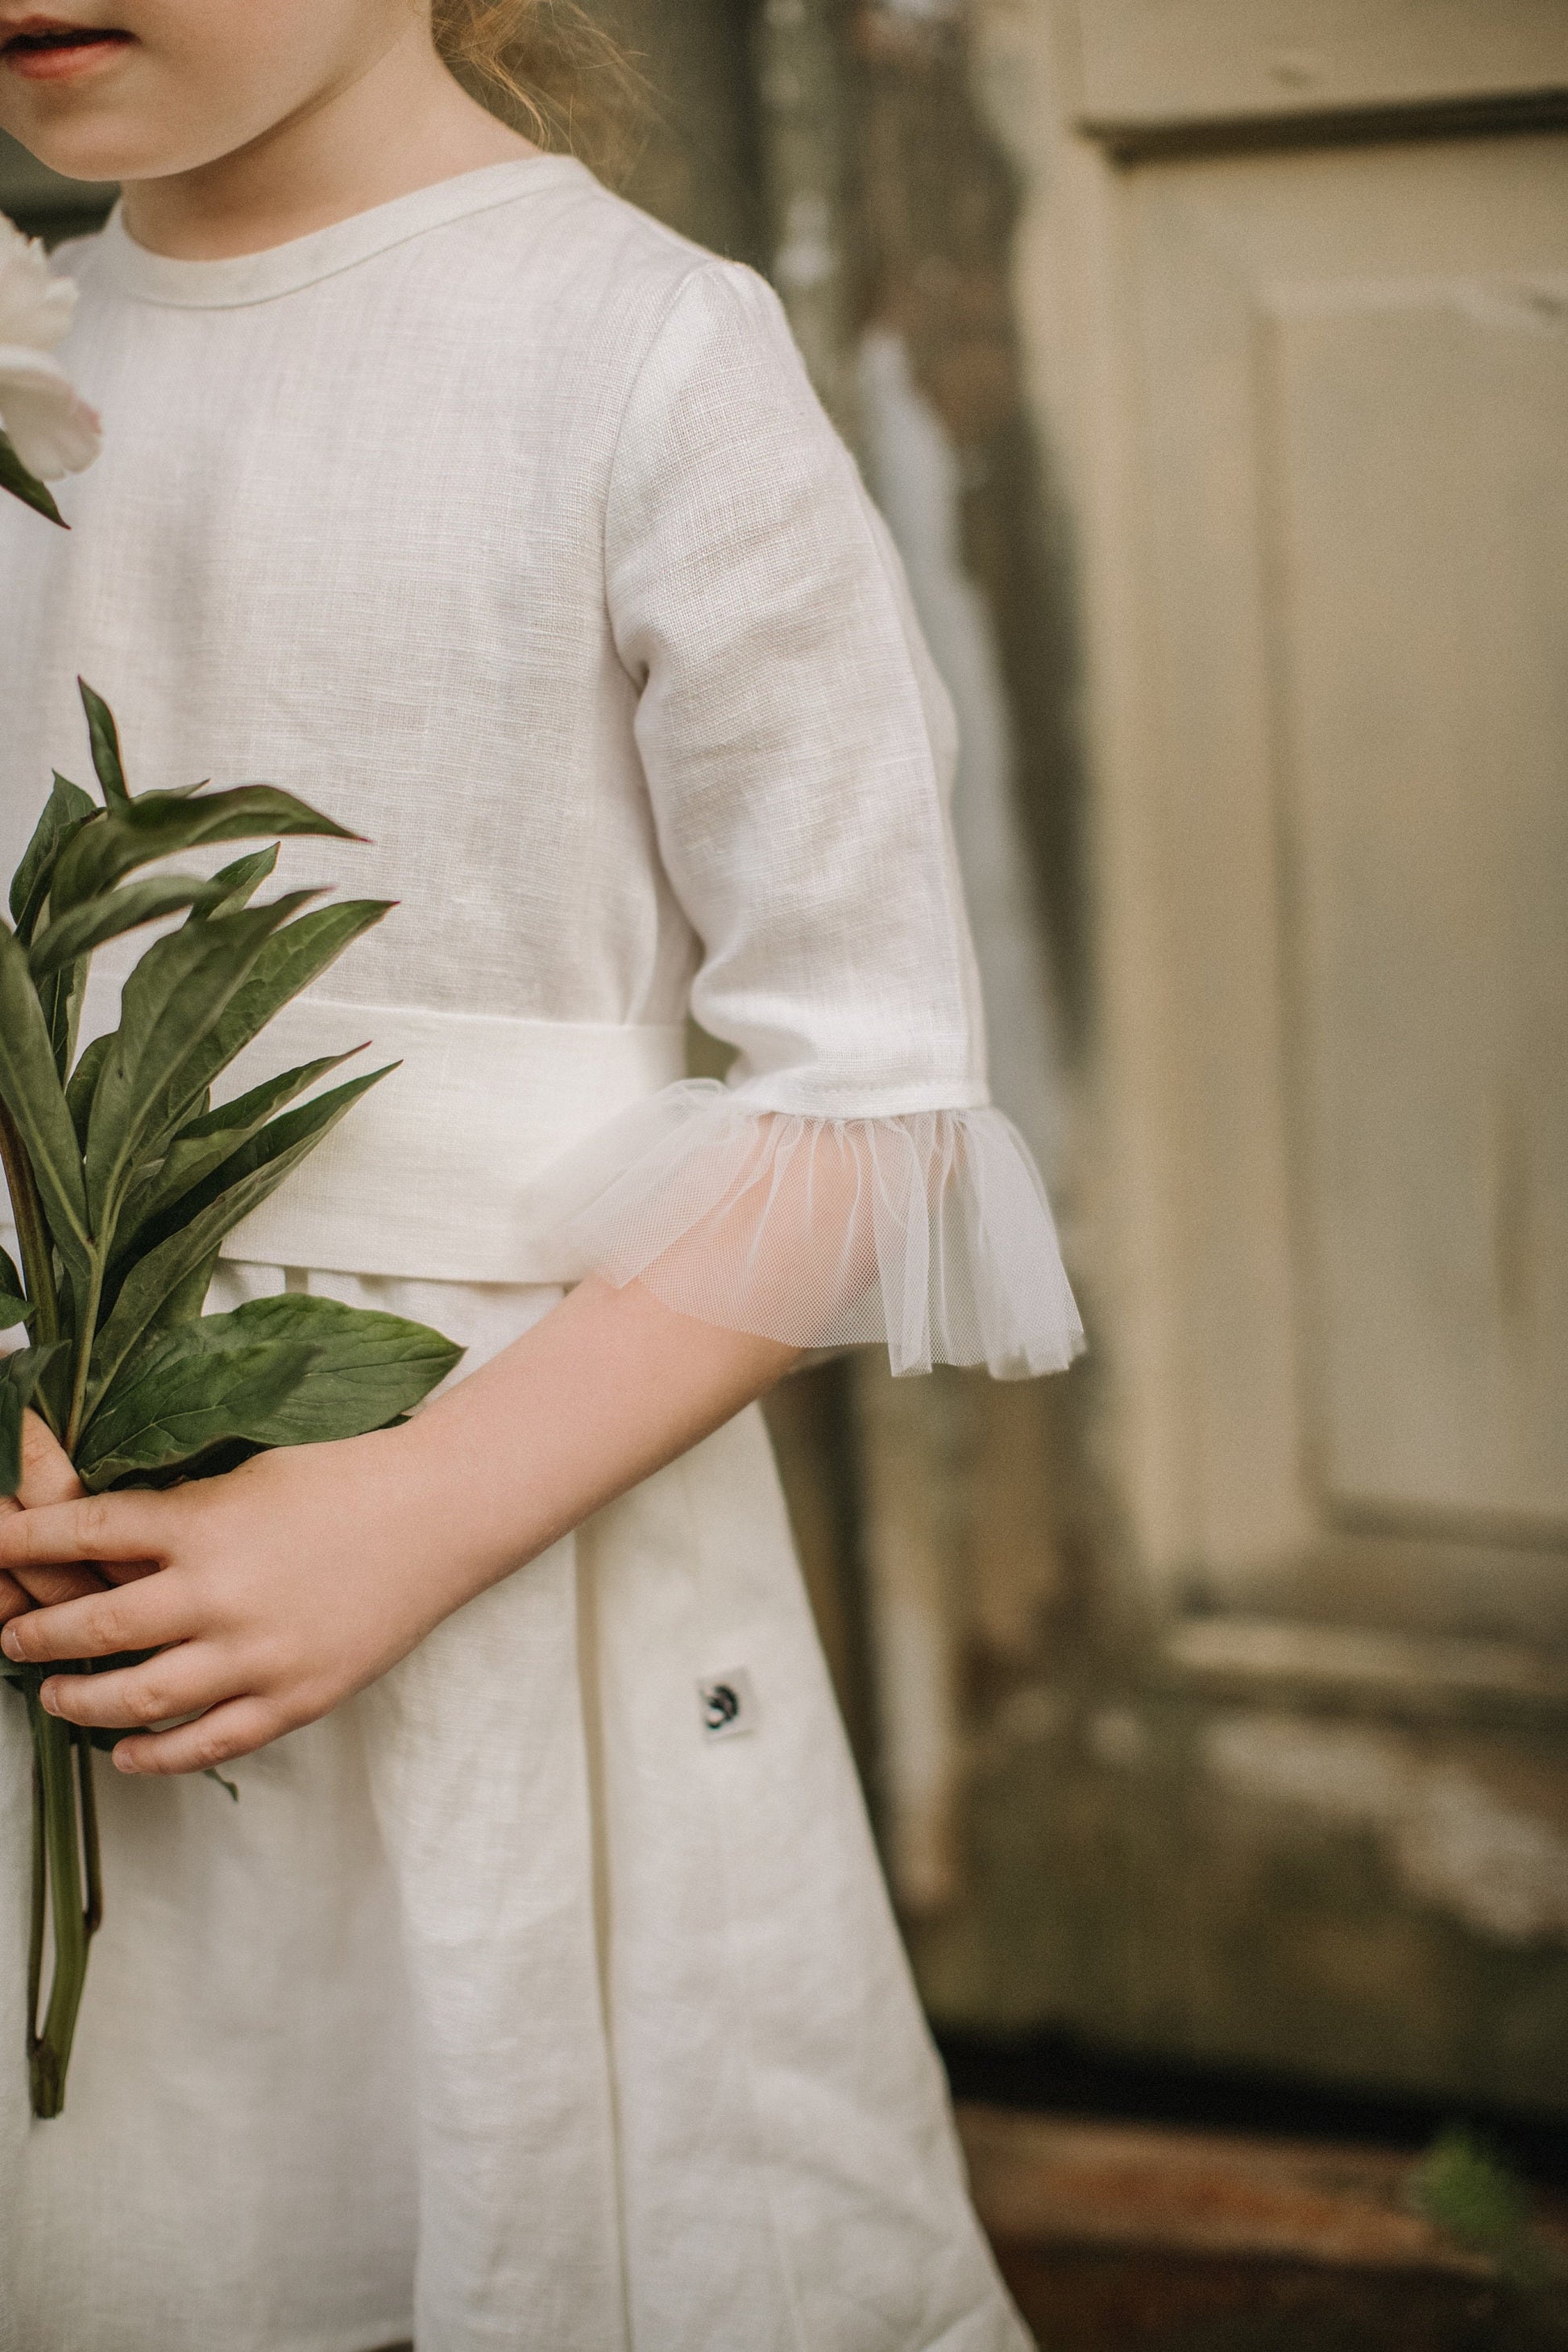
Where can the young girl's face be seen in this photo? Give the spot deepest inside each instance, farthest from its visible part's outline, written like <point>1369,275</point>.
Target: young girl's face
<point>137,89</point>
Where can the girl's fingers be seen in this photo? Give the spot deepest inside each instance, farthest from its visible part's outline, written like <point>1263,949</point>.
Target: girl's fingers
<point>47,1477</point>
<point>180,1681</point>
<point>47,1586</point>
<point>142,1616</point>
<point>22,1588</point>
<point>127,1572</point>
<point>98,1526</point>
<point>46,1473</point>
<point>237,1729</point>
<point>41,1587</point>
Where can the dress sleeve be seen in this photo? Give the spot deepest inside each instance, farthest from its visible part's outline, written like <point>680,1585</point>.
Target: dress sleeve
<point>851,1181</point>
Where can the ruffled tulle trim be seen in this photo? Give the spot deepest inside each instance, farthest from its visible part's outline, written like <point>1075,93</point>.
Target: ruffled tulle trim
<point>930,1232</point>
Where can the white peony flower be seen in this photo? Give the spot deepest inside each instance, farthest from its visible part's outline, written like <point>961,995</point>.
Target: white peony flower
<point>49,426</point>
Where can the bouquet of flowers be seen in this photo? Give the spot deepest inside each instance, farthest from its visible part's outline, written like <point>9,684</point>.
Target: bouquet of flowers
<point>124,1179</point>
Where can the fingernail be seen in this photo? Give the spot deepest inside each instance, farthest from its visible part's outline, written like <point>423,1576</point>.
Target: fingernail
<point>123,1762</point>
<point>10,1642</point>
<point>46,1699</point>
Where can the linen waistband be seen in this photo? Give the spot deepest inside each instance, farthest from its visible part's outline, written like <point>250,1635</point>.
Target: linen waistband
<point>430,1174</point>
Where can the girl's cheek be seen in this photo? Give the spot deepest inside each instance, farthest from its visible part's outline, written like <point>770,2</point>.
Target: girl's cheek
<point>189,81</point>
<point>116,110</point>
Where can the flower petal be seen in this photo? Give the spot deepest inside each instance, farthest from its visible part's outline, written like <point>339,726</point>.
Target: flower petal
<point>35,306</point>
<point>52,429</point>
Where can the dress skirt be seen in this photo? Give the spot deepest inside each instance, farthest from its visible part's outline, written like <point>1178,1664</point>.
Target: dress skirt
<point>544,1998</point>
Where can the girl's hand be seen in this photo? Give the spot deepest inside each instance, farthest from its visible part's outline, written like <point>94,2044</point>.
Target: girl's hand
<point>47,1477</point>
<point>273,1593</point>
<point>268,1595</point>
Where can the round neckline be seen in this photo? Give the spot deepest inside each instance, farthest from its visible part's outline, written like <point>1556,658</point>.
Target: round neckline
<point>241,278</point>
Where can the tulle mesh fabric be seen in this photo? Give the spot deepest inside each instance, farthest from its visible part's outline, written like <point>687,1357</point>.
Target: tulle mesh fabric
<point>930,1231</point>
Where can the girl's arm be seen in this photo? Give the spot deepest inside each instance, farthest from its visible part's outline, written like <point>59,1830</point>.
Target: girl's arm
<point>274,1593</point>
<point>851,1184</point>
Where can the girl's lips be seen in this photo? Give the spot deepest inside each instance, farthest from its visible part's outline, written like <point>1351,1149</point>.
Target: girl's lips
<point>45,49</point>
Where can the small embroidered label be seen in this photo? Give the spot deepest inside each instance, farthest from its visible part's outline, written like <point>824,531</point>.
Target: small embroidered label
<point>729,1705</point>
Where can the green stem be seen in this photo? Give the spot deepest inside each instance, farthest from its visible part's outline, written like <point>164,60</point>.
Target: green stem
<point>65,1809</point>
<point>87,1327</point>
<point>40,1896</point>
<point>54,1746</point>
<point>92,1857</point>
<point>32,1231</point>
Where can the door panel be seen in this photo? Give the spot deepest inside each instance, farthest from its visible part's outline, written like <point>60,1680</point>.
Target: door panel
<point>1352,393</point>
<point>1163,61</point>
<point>1423,531</point>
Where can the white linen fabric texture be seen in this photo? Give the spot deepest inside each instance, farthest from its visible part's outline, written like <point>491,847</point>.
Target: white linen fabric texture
<point>507,2006</point>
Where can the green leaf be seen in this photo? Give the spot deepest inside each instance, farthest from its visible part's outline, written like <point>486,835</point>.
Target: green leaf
<point>172,1000</point>
<point>14,478</point>
<point>239,1120</point>
<point>289,961</point>
<point>241,880</point>
<point>14,1305</point>
<point>10,1407</point>
<point>10,1279</point>
<point>104,737</point>
<point>20,1377</point>
<point>31,1090</point>
<point>66,811</point>
<point>204,1143</point>
<point>236,1188</point>
<point>179,1398</point>
<point>82,1084</point>
<point>60,996</point>
<point>287,1370</point>
<point>370,1369</point>
<point>187,1298</point>
<point>308,1124</point>
<point>165,825</point>
<point>116,912</point>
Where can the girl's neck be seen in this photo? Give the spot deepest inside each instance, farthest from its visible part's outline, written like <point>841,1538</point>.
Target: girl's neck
<point>401,123</point>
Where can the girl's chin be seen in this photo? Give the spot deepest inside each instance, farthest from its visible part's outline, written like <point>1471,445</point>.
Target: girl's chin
<point>98,145</point>
<point>91,158</point>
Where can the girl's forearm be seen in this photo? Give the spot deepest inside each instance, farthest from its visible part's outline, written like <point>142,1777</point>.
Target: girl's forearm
<point>266,1597</point>
<point>610,1386</point>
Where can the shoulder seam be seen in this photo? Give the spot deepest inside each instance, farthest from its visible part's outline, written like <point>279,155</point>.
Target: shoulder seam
<point>700,267</point>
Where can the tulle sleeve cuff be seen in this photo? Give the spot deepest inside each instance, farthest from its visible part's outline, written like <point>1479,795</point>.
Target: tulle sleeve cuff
<point>931,1232</point>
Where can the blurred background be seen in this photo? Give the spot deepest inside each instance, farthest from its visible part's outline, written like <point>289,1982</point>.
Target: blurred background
<point>1209,359</point>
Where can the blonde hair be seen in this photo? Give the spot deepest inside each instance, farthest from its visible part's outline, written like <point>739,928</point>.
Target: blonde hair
<point>546,67</point>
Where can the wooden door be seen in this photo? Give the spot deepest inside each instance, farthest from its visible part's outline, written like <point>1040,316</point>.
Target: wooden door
<point>1286,1785</point>
<point>1336,848</point>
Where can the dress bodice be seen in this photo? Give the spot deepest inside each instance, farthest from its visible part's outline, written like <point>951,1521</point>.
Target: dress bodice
<point>504,525</point>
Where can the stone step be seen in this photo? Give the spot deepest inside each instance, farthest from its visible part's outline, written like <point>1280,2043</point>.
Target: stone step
<point>1120,2237</point>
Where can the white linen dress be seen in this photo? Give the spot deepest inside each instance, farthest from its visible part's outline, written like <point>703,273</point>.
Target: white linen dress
<point>532,2000</point>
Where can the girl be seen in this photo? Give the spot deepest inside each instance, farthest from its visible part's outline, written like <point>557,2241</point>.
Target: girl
<point>542,1991</point>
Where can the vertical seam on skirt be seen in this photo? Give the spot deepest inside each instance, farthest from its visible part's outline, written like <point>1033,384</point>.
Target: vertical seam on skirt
<point>721,1812</point>
<point>584,1586</point>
